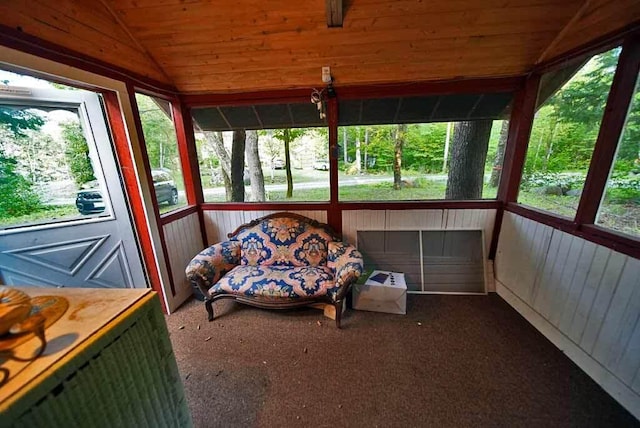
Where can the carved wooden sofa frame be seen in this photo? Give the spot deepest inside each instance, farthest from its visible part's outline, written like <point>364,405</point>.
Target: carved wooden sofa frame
<point>279,261</point>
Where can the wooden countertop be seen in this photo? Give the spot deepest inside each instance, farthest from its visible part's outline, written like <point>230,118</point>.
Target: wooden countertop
<point>89,310</point>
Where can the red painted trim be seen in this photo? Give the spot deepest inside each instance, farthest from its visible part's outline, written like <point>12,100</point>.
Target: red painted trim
<point>128,171</point>
<point>244,98</point>
<point>187,151</point>
<point>177,214</point>
<point>562,223</point>
<point>16,39</point>
<point>439,87</point>
<point>147,169</point>
<point>622,243</point>
<point>263,206</point>
<point>598,45</point>
<point>519,132</point>
<point>334,215</point>
<point>495,235</point>
<point>189,158</point>
<point>510,148</point>
<point>613,120</point>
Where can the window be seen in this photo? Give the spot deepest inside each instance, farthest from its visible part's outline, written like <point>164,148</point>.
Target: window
<point>162,149</point>
<point>262,153</point>
<point>620,207</point>
<point>571,104</point>
<point>422,148</point>
<point>49,168</point>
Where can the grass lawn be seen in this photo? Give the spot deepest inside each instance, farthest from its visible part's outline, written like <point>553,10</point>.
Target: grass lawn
<point>48,214</point>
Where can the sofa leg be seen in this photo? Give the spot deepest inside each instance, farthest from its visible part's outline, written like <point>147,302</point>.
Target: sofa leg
<point>338,306</point>
<point>208,304</point>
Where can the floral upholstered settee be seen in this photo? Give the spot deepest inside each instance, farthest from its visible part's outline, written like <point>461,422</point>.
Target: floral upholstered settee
<point>279,261</point>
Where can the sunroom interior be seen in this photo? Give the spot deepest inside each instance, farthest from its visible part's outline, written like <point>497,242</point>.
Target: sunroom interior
<point>560,246</point>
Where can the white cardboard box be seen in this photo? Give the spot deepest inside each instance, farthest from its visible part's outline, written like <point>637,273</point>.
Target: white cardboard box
<point>382,292</point>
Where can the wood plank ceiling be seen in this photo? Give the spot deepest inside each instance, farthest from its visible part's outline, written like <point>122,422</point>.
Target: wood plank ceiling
<point>207,46</point>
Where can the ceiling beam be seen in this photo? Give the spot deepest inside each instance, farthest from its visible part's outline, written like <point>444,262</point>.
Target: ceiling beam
<point>578,15</point>
<point>136,42</point>
<point>334,13</point>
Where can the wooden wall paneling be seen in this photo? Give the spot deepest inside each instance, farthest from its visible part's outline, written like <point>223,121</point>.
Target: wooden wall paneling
<point>587,302</point>
<point>629,364</point>
<point>589,291</point>
<point>565,282</point>
<point>602,300</point>
<point>599,18</point>
<point>616,329</point>
<point>80,27</point>
<point>184,241</point>
<point>574,293</point>
<point>540,236</point>
<point>379,42</point>
<point>549,281</point>
<point>630,319</point>
<point>521,253</point>
<point>504,269</point>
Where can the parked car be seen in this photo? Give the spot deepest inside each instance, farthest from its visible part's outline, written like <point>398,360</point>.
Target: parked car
<point>90,201</point>
<point>322,165</point>
<point>278,164</point>
<point>166,190</point>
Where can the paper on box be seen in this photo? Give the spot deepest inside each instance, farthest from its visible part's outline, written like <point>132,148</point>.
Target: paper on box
<point>389,296</point>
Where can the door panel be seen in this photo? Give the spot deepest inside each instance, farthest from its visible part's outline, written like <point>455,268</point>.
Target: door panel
<point>97,250</point>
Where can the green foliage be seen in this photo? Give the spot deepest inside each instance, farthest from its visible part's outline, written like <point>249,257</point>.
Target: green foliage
<point>77,153</point>
<point>19,120</point>
<point>564,181</point>
<point>16,194</point>
<point>159,134</point>
<point>566,126</point>
<point>423,150</point>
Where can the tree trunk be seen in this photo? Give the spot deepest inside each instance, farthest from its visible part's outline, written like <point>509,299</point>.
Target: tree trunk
<point>214,141</point>
<point>496,170</point>
<point>447,140</point>
<point>401,131</point>
<point>358,158</point>
<point>237,166</point>
<point>345,158</point>
<point>366,148</point>
<point>255,168</point>
<point>547,155</point>
<point>468,155</point>
<point>287,162</point>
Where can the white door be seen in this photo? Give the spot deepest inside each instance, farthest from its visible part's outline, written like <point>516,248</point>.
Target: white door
<point>84,237</point>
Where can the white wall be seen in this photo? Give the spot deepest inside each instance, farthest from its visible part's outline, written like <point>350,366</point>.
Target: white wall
<point>584,297</point>
<point>183,240</point>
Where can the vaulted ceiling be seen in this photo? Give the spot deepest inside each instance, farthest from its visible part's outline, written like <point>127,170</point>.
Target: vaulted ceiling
<point>214,46</point>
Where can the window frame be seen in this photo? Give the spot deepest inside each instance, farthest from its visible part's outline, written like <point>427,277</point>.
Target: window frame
<point>611,127</point>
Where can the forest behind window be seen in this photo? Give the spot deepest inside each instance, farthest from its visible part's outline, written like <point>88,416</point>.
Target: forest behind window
<point>571,103</point>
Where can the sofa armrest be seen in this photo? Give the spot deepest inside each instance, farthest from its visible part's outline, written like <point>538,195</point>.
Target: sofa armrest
<point>347,265</point>
<point>206,268</point>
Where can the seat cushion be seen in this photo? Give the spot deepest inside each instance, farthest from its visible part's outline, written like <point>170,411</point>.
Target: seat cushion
<point>278,281</point>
